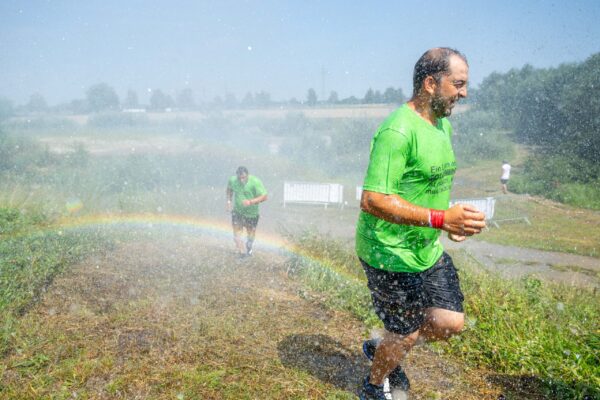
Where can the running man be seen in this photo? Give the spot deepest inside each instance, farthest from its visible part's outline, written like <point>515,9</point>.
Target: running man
<point>404,207</point>
<point>505,176</point>
<point>244,193</point>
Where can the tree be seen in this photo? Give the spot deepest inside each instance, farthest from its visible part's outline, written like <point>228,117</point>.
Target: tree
<point>262,99</point>
<point>391,96</point>
<point>131,100</point>
<point>369,97</point>
<point>160,101</point>
<point>36,103</point>
<point>580,104</point>
<point>311,97</point>
<point>6,109</point>
<point>333,98</point>
<point>377,97</point>
<point>556,110</point>
<point>350,100</point>
<point>248,100</point>
<point>185,99</point>
<point>102,97</point>
<point>217,102</point>
<point>230,100</point>
<point>78,106</point>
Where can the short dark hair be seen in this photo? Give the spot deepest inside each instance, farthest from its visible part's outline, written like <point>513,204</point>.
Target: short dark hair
<point>241,171</point>
<point>434,62</point>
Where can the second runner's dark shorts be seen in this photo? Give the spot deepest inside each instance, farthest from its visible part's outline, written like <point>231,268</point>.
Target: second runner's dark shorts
<point>240,221</point>
<point>400,298</point>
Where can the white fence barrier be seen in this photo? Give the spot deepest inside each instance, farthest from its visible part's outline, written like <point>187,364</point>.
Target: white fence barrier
<point>313,193</point>
<point>485,205</point>
<point>358,192</point>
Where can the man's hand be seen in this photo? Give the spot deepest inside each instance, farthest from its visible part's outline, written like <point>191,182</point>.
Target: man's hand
<point>463,220</point>
<point>247,203</point>
<point>228,206</point>
<point>456,238</point>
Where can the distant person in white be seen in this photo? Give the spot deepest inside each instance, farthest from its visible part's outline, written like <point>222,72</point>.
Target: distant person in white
<point>505,175</point>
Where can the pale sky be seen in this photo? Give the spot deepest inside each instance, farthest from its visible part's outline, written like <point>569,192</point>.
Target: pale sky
<point>60,48</point>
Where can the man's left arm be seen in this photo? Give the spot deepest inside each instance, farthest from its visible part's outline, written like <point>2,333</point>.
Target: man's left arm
<point>262,196</point>
<point>255,200</point>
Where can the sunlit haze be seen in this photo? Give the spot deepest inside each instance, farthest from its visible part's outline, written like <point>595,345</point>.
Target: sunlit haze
<point>60,48</point>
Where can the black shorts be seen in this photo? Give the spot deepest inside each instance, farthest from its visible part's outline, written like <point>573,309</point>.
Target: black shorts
<point>400,298</point>
<point>240,221</point>
<point>504,181</point>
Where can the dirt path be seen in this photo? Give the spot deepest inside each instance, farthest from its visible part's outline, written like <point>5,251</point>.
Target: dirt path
<point>184,318</point>
<point>515,262</point>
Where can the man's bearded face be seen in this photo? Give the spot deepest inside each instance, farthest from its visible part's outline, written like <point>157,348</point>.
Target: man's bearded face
<point>442,105</point>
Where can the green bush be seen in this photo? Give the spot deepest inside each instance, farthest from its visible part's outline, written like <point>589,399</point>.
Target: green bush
<point>579,194</point>
<point>477,137</point>
<point>13,220</point>
<point>472,147</point>
<point>564,179</point>
<point>20,154</point>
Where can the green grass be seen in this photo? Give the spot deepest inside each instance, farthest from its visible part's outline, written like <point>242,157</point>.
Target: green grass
<point>517,328</point>
<point>576,268</point>
<point>554,226</point>
<point>207,349</point>
<point>530,327</point>
<point>30,257</point>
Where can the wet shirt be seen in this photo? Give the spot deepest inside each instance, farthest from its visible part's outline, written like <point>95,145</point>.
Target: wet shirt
<point>414,160</point>
<point>252,189</point>
<point>505,171</point>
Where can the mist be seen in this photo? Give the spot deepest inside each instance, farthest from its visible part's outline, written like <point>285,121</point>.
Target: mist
<point>122,127</point>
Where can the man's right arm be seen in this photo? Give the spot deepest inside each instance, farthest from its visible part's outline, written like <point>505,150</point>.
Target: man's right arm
<point>461,219</point>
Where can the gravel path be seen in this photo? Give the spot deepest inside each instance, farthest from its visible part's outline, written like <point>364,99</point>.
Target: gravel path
<point>515,262</point>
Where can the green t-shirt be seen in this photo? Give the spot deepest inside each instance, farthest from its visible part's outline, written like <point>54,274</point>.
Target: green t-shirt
<point>413,159</point>
<point>252,189</point>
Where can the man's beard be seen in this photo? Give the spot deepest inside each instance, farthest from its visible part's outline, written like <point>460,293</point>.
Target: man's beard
<point>441,106</point>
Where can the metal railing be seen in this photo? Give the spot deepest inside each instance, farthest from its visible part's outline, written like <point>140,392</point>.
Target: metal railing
<point>313,193</point>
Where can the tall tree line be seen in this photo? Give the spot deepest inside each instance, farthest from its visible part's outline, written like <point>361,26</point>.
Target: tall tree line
<point>556,112</point>
<point>556,109</point>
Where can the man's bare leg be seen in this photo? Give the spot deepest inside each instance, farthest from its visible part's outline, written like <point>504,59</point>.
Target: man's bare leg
<point>237,238</point>
<point>439,324</point>
<point>250,240</point>
<point>390,352</point>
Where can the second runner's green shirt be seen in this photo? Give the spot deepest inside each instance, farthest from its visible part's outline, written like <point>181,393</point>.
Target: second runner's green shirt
<point>252,189</point>
<point>414,160</point>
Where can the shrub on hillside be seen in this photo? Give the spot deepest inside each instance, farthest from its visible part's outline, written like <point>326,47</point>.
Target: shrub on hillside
<point>565,179</point>
<point>21,154</point>
<point>477,137</point>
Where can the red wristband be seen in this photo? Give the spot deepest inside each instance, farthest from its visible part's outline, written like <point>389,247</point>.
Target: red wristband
<point>436,218</point>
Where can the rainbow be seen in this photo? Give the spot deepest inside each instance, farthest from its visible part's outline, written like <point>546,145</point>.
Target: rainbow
<point>216,228</point>
<point>152,220</point>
